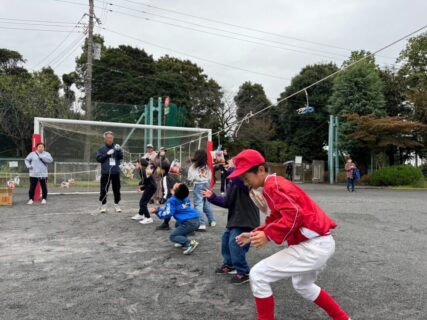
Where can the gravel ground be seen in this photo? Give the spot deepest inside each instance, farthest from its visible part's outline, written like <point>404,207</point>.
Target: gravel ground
<point>64,261</point>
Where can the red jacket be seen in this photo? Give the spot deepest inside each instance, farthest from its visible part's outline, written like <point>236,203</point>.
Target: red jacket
<point>291,209</point>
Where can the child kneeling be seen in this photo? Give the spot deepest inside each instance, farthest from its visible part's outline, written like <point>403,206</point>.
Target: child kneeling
<point>187,218</point>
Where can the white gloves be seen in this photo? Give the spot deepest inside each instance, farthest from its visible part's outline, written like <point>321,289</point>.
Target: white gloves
<point>117,147</point>
<point>110,152</point>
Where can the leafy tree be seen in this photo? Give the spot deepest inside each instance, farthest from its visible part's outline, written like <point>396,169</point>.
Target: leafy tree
<point>414,71</point>
<point>306,134</point>
<point>126,76</point>
<point>357,90</point>
<point>24,96</point>
<point>257,131</point>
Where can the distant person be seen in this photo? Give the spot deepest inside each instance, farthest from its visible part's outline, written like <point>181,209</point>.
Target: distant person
<point>148,186</point>
<point>150,153</point>
<point>37,162</point>
<point>349,172</point>
<point>200,175</point>
<point>289,171</point>
<point>110,156</point>
<point>187,218</point>
<point>158,160</point>
<point>243,216</point>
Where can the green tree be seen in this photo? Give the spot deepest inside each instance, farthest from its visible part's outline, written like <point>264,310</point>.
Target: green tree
<point>257,131</point>
<point>24,96</point>
<point>414,71</point>
<point>126,76</point>
<point>307,134</point>
<point>357,90</point>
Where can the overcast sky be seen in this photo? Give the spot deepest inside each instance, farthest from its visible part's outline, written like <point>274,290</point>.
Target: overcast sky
<point>324,26</point>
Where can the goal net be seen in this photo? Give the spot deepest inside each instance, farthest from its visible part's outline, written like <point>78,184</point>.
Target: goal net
<point>74,143</point>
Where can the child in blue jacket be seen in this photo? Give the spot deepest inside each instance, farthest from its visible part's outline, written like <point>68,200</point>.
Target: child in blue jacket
<point>187,218</point>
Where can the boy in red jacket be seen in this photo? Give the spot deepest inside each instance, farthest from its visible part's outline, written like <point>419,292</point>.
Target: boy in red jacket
<point>294,217</point>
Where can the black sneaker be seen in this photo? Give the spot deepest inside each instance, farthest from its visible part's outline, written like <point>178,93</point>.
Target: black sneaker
<point>224,269</point>
<point>163,227</point>
<point>239,279</point>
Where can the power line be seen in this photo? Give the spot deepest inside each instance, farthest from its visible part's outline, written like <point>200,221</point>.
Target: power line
<point>35,29</point>
<point>237,26</point>
<point>223,30</point>
<point>196,57</point>
<point>60,44</point>
<point>342,69</point>
<point>44,21</point>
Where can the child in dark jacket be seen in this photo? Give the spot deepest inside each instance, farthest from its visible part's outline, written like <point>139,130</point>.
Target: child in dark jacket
<point>243,216</point>
<point>187,218</point>
<point>169,180</point>
<point>148,186</point>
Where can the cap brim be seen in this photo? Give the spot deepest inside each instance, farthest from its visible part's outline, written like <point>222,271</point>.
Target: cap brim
<point>237,173</point>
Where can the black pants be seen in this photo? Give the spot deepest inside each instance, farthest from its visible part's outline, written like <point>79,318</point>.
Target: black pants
<point>105,185</point>
<point>33,184</point>
<point>145,199</point>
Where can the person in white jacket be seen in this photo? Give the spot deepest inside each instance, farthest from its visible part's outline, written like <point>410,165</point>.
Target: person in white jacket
<point>37,163</point>
<point>200,175</point>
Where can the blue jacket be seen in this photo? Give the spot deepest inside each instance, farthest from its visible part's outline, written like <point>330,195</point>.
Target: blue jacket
<point>103,158</point>
<point>181,210</point>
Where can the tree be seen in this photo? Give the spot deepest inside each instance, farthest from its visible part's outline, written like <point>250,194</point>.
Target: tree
<point>10,59</point>
<point>306,134</point>
<point>414,71</point>
<point>357,90</point>
<point>126,76</point>
<point>24,96</point>
<point>380,133</point>
<point>257,131</point>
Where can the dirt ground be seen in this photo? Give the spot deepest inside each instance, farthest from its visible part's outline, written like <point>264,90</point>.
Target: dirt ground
<point>63,261</point>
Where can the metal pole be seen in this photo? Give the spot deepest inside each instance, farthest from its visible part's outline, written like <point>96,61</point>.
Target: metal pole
<point>330,149</point>
<point>336,149</point>
<point>133,130</point>
<point>151,120</point>
<point>159,121</point>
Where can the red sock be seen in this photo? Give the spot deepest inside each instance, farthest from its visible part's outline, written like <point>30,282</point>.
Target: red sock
<point>327,303</point>
<point>265,308</point>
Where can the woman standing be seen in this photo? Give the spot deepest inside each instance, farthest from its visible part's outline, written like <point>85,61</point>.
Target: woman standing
<point>37,162</point>
<point>200,175</point>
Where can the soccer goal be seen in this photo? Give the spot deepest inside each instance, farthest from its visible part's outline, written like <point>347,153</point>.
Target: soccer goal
<point>74,143</point>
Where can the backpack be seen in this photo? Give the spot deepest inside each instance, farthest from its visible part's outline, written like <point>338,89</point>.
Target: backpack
<point>356,174</point>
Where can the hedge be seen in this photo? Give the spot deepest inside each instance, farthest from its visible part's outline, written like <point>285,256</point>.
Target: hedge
<point>402,175</point>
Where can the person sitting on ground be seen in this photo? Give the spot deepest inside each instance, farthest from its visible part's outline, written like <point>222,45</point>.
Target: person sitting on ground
<point>187,218</point>
<point>148,186</point>
<point>243,216</point>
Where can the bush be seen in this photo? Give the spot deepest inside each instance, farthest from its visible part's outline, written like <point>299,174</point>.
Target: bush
<point>403,175</point>
<point>424,169</point>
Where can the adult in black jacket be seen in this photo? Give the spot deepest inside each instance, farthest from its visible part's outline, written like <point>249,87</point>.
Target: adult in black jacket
<point>109,156</point>
<point>243,216</point>
<point>148,186</point>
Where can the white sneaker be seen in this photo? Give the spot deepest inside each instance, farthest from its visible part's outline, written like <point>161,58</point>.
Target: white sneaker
<point>177,245</point>
<point>44,201</point>
<point>30,201</point>
<point>138,217</point>
<point>103,208</point>
<point>213,224</point>
<point>117,208</point>
<point>202,227</point>
<point>146,221</point>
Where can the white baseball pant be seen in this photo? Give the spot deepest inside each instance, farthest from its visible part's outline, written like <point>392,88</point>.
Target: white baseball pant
<point>302,262</point>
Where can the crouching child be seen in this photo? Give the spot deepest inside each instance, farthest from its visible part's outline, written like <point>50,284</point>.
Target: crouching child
<point>187,218</point>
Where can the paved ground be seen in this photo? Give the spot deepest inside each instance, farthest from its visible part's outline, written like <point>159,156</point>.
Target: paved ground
<point>62,262</point>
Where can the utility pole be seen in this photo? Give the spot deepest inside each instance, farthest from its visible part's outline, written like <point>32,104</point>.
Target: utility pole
<point>88,78</point>
<point>88,85</point>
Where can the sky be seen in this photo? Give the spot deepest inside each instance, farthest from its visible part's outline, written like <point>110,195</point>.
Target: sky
<point>277,37</point>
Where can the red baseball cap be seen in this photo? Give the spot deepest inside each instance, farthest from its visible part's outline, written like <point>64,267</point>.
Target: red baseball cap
<point>245,160</point>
